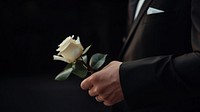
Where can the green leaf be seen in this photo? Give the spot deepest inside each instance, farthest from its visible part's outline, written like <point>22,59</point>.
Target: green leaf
<point>64,74</point>
<point>80,70</point>
<point>85,51</point>
<point>84,58</point>
<point>69,66</point>
<point>97,60</point>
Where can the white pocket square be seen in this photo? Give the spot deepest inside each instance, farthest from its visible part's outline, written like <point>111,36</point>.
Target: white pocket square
<point>152,10</point>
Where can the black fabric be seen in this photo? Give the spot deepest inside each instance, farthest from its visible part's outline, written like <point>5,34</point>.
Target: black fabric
<point>39,93</point>
<point>131,11</point>
<point>161,71</point>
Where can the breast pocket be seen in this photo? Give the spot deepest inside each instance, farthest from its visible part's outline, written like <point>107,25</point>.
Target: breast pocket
<point>163,17</point>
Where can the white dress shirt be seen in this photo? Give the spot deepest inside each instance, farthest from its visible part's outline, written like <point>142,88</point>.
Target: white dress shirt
<point>139,6</point>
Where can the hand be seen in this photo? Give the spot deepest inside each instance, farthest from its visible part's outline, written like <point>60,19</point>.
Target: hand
<point>105,84</point>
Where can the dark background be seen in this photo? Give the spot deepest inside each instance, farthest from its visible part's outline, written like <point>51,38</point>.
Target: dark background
<point>29,35</point>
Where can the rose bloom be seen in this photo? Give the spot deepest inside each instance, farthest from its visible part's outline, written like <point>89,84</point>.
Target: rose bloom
<point>69,50</point>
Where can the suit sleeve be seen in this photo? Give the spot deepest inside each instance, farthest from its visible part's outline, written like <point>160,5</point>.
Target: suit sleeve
<point>164,79</point>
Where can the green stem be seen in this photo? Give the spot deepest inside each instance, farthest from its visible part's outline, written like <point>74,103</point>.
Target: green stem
<point>88,67</point>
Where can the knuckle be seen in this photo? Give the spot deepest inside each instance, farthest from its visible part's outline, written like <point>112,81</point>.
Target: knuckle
<point>97,90</point>
<point>91,93</point>
<point>102,97</point>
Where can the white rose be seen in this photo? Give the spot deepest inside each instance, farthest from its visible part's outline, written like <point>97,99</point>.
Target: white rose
<point>69,50</point>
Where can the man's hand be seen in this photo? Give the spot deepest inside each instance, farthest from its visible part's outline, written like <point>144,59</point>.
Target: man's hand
<point>105,84</point>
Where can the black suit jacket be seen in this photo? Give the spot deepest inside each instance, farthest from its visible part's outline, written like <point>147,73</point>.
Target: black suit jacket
<point>161,72</point>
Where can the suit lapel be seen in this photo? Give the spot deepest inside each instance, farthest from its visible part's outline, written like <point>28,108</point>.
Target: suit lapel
<point>134,26</point>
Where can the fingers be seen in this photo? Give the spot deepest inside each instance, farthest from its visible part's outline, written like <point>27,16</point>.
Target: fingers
<point>93,91</point>
<point>86,84</point>
<point>107,98</point>
<point>107,101</point>
<point>98,99</point>
<point>110,100</point>
<point>104,85</point>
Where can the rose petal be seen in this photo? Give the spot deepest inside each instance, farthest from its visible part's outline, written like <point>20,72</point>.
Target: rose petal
<point>66,39</point>
<point>65,44</point>
<point>72,52</point>
<point>79,43</point>
<point>78,40</point>
<point>55,57</point>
